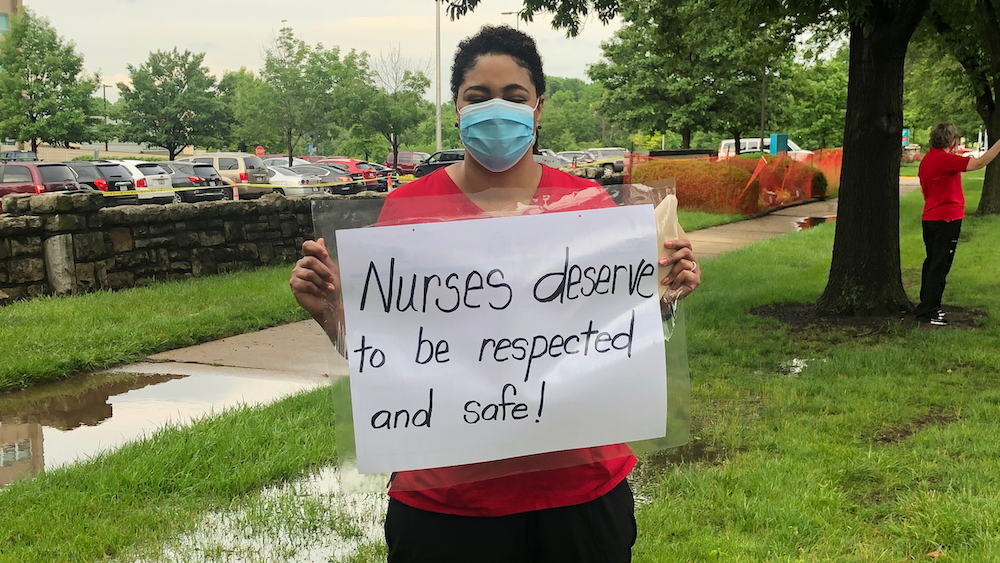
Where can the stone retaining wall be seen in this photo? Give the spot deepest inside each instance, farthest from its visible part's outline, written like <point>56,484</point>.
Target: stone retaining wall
<point>60,244</point>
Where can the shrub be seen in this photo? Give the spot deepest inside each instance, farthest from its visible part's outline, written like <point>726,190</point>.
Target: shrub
<point>704,185</point>
<point>147,158</point>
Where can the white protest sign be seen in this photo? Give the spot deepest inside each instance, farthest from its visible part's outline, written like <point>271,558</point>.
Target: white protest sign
<point>479,340</point>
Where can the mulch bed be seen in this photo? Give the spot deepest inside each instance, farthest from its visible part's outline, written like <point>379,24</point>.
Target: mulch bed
<point>799,315</point>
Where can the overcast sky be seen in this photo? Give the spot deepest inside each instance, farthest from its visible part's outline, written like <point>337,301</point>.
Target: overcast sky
<point>111,34</point>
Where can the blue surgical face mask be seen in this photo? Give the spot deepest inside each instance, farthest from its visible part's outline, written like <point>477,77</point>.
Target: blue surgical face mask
<point>497,133</point>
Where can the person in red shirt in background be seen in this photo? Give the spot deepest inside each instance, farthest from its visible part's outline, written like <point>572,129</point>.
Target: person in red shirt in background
<point>564,506</point>
<point>944,208</point>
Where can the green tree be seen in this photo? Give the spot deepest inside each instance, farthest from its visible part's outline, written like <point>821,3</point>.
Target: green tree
<point>969,31</point>
<point>173,102</point>
<point>393,106</point>
<point>310,88</point>
<point>252,103</point>
<point>865,276</point>
<point>935,89</point>
<point>815,101</point>
<point>44,93</point>
<point>685,67</point>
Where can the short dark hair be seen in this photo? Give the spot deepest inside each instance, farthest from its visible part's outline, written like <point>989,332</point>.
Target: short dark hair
<point>498,40</point>
<point>944,135</point>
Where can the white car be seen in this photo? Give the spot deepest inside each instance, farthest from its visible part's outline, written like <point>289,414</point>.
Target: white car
<point>728,148</point>
<point>283,161</point>
<point>289,182</point>
<point>548,157</point>
<point>149,176</point>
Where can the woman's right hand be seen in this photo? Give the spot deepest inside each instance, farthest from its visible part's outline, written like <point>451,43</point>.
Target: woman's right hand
<point>315,284</point>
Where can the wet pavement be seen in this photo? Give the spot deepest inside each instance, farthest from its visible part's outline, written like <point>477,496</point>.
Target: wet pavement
<point>55,424</point>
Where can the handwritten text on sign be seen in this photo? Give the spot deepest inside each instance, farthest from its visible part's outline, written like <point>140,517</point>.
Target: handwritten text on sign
<point>488,339</point>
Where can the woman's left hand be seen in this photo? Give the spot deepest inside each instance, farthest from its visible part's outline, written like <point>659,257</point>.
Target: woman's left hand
<point>685,274</point>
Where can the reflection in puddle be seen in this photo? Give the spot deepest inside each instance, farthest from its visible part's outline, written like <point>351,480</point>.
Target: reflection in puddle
<point>808,222</point>
<point>78,418</point>
<point>307,520</point>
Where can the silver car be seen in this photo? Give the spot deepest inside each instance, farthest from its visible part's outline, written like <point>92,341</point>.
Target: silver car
<point>288,182</point>
<point>149,176</point>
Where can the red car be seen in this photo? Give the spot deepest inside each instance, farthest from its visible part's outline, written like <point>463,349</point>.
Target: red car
<point>36,178</point>
<point>358,169</point>
<point>408,160</point>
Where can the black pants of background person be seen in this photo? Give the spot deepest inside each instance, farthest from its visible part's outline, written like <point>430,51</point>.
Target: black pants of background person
<point>600,531</point>
<point>940,240</point>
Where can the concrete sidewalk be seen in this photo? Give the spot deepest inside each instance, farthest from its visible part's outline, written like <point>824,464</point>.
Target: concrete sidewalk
<point>302,351</point>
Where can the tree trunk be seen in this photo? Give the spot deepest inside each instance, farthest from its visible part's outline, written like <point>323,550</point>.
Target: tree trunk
<point>989,203</point>
<point>34,146</point>
<point>736,142</point>
<point>685,137</point>
<point>865,277</point>
<point>288,145</point>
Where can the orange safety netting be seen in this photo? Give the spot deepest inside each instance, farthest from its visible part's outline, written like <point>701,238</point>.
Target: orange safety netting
<point>741,185</point>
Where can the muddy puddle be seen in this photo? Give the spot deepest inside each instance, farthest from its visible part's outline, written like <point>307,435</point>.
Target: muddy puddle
<point>55,424</point>
<point>804,223</point>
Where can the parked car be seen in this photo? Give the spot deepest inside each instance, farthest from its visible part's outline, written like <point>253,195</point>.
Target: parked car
<point>283,161</point>
<point>438,160</point>
<point>291,183</point>
<point>245,169</point>
<point>358,169</point>
<point>36,178</point>
<point>607,153</point>
<point>548,157</point>
<point>313,157</point>
<point>106,177</point>
<point>577,158</point>
<point>203,178</point>
<point>408,160</point>
<point>18,156</point>
<point>383,173</point>
<point>332,174</point>
<point>727,148</point>
<point>149,176</point>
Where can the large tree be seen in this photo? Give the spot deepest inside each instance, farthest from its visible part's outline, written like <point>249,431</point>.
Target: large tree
<point>172,102</point>
<point>814,101</point>
<point>44,93</point>
<point>686,67</point>
<point>969,30</point>
<point>865,276</point>
<point>310,87</point>
<point>393,106</point>
<point>253,107</point>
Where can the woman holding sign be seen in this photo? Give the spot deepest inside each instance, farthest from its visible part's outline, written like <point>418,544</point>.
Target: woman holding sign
<point>565,506</point>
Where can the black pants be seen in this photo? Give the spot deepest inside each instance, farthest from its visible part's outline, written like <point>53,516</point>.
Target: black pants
<point>940,240</point>
<point>600,531</point>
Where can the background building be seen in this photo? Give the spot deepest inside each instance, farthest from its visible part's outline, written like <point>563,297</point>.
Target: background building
<point>7,10</point>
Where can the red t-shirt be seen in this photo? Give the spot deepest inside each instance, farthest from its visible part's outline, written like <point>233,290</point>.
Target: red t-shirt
<point>526,483</point>
<point>941,183</point>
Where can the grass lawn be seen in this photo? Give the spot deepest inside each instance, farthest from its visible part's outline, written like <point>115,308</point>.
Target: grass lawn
<point>884,448</point>
<point>694,220</point>
<point>54,337</point>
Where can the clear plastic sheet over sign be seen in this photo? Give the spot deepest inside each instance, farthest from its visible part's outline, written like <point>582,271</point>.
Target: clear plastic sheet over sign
<point>328,218</point>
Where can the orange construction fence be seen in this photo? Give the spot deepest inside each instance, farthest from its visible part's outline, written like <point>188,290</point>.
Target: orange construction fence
<point>741,185</point>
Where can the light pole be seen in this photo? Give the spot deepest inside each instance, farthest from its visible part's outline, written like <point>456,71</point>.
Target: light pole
<point>437,76</point>
<point>105,88</point>
<point>517,19</point>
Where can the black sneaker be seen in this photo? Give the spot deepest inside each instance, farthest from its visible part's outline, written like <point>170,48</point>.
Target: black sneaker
<point>938,321</point>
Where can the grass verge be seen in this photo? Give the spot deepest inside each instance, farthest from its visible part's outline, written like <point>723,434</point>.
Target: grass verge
<point>695,220</point>
<point>53,337</point>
